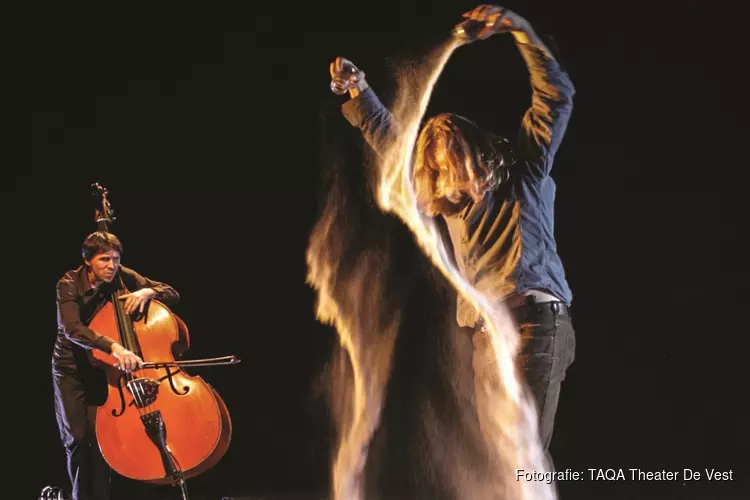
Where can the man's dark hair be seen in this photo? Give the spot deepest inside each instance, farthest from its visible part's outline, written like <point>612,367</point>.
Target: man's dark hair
<point>100,242</point>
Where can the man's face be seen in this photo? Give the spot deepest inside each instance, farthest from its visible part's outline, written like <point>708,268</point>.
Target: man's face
<point>105,265</point>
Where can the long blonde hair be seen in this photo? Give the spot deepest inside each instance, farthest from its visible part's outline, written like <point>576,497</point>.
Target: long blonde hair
<point>456,161</point>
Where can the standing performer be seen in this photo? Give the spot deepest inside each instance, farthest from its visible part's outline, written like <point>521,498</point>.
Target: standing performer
<point>497,202</point>
<point>81,293</point>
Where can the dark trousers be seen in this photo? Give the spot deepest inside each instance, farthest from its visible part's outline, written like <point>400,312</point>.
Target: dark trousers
<point>547,350</point>
<point>75,410</point>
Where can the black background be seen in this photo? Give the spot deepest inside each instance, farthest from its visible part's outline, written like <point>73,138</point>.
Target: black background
<point>208,125</point>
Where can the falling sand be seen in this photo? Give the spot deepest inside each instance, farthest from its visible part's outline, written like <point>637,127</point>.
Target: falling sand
<point>354,298</point>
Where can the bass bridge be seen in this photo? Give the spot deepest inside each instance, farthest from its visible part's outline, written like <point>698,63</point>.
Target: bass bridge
<point>144,391</point>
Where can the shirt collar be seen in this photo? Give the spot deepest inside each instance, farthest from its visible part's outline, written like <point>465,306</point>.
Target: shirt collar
<point>82,280</point>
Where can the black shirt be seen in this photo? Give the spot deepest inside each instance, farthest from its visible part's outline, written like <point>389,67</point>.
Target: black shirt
<point>77,304</point>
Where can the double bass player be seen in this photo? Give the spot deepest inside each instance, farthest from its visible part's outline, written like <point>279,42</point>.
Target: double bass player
<point>81,293</point>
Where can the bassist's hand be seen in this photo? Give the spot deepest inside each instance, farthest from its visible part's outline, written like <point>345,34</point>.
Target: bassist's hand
<point>137,300</point>
<point>128,360</point>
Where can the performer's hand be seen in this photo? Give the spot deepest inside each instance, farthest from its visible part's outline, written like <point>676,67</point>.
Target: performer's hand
<point>137,299</point>
<point>497,20</point>
<point>346,69</point>
<point>128,360</point>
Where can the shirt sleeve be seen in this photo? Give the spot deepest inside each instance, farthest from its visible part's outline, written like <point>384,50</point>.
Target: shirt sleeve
<point>164,293</point>
<point>69,320</point>
<point>377,124</point>
<point>544,123</point>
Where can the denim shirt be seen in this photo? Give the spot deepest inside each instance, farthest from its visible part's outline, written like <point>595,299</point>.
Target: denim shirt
<point>505,243</point>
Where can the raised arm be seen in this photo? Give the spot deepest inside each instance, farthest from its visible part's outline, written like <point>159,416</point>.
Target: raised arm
<point>364,110</point>
<point>544,123</point>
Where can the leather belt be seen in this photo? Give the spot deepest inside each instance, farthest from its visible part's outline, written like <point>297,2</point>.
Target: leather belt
<point>536,301</point>
<point>523,305</point>
<point>556,307</point>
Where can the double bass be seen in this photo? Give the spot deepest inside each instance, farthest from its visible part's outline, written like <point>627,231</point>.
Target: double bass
<point>158,425</point>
